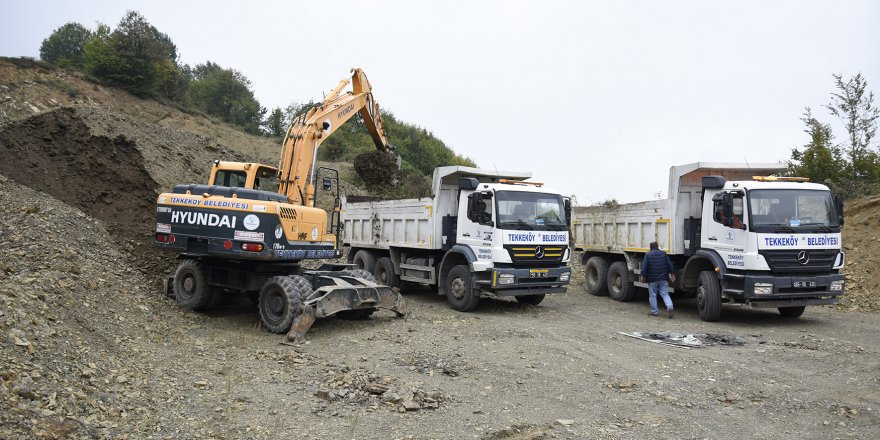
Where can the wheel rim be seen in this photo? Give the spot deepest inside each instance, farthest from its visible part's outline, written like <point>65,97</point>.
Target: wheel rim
<point>616,281</point>
<point>383,276</point>
<point>274,306</point>
<point>188,286</point>
<point>457,288</point>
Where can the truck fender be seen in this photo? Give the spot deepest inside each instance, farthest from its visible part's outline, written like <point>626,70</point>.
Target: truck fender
<point>703,259</point>
<point>451,258</point>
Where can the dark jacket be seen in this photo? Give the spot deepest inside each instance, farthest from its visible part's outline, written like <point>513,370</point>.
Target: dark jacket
<point>656,266</point>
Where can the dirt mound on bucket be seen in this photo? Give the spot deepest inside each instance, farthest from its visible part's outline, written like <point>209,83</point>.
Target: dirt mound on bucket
<point>377,169</point>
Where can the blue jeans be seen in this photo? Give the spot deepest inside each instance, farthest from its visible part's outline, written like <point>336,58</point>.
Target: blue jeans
<point>662,287</point>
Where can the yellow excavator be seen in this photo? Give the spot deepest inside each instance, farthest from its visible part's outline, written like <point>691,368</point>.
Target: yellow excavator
<point>248,229</point>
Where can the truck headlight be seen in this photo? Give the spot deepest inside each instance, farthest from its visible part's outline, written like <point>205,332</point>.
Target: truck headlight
<point>506,278</point>
<point>564,276</point>
<point>836,286</point>
<point>763,289</point>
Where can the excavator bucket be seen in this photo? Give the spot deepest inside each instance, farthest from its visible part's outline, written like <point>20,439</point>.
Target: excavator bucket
<point>340,293</point>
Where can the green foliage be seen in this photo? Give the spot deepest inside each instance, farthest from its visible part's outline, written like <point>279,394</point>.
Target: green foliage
<point>820,159</point>
<point>609,203</point>
<point>854,166</point>
<point>65,47</point>
<point>227,94</point>
<point>135,56</point>
<point>274,124</point>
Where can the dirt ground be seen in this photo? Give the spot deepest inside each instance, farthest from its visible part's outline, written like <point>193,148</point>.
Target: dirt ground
<point>90,348</point>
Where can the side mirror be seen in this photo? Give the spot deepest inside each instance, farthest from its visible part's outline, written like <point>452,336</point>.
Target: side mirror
<point>727,206</point>
<point>838,206</point>
<point>566,203</point>
<point>326,183</point>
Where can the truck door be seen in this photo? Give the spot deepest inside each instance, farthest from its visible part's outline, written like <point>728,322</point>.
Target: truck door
<point>476,223</point>
<point>724,229</point>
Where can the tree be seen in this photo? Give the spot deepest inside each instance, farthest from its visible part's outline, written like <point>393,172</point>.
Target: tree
<point>65,47</point>
<point>227,94</point>
<point>854,106</point>
<point>274,124</point>
<point>820,160</point>
<point>135,56</point>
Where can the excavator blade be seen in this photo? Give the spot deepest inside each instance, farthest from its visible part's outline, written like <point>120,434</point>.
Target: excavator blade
<point>301,324</point>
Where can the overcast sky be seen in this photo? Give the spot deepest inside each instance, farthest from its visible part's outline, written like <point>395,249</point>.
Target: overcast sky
<point>597,99</point>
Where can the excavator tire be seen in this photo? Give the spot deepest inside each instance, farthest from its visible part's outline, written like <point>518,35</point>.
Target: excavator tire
<point>191,287</point>
<point>280,301</point>
<point>357,314</point>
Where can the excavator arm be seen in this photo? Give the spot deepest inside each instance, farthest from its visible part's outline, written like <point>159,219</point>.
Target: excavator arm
<point>296,169</point>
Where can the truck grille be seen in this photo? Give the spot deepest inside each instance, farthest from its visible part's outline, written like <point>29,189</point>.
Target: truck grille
<point>818,260</point>
<point>535,255</point>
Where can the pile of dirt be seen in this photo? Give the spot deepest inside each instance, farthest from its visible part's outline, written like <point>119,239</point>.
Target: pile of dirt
<point>377,169</point>
<point>861,239</point>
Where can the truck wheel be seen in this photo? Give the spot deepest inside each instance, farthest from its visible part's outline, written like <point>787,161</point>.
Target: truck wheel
<point>384,273</point>
<point>530,299</point>
<point>791,312</point>
<point>596,276</point>
<point>709,296</point>
<point>365,260</point>
<point>280,300</point>
<point>191,287</point>
<point>460,289</point>
<point>620,283</point>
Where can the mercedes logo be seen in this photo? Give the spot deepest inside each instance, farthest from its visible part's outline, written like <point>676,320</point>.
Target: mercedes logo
<point>539,252</point>
<point>803,258</point>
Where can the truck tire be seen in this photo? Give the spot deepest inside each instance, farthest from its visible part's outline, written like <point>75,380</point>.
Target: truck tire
<point>620,283</point>
<point>280,300</point>
<point>460,289</point>
<point>191,287</point>
<point>530,299</point>
<point>792,312</point>
<point>596,276</point>
<point>357,314</point>
<point>709,296</point>
<point>364,259</point>
<point>384,273</point>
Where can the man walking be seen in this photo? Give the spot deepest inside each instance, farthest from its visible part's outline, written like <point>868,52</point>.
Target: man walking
<point>656,270</point>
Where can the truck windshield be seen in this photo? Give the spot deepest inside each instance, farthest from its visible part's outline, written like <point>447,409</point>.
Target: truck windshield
<point>782,210</point>
<point>530,211</point>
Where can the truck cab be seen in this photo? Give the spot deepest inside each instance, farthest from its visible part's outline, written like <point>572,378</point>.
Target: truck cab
<point>518,232</point>
<point>776,241</point>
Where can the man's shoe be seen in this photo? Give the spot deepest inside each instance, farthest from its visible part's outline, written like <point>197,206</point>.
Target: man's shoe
<point>670,313</point>
<point>652,313</point>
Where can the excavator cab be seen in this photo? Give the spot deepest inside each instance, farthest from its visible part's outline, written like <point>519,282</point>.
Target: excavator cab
<point>244,175</point>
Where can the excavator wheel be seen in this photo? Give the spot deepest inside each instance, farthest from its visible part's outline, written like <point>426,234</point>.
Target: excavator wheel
<point>191,287</point>
<point>281,300</point>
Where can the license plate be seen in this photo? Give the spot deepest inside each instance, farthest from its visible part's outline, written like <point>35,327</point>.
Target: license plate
<point>537,273</point>
<point>803,284</point>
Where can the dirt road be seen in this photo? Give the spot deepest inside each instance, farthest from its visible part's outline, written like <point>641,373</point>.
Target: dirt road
<point>556,370</point>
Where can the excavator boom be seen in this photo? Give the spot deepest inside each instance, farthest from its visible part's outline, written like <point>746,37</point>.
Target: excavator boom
<point>296,169</point>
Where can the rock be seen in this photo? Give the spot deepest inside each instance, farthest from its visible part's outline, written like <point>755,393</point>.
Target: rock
<point>564,422</point>
<point>24,387</point>
<point>122,379</point>
<point>410,405</point>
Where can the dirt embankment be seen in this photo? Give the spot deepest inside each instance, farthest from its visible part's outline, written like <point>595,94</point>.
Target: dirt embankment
<point>861,242</point>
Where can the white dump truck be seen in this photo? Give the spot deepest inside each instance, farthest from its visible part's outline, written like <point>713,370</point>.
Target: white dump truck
<point>732,235</point>
<point>482,233</point>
